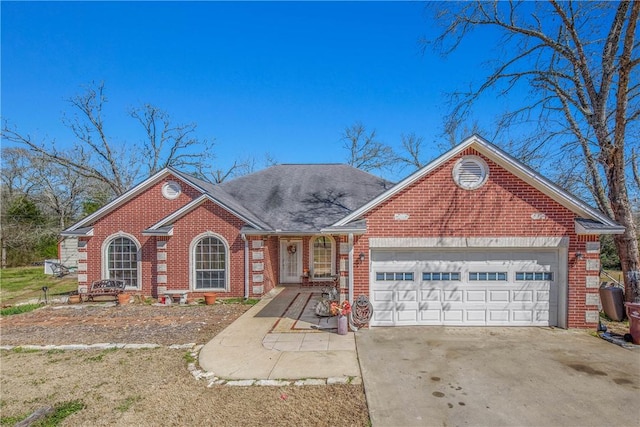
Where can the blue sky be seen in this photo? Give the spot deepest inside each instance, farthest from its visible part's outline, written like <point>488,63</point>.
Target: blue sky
<point>284,78</point>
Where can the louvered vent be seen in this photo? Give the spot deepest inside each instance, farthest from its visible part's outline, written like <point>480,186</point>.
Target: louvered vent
<point>171,190</point>
<point>470,172</point>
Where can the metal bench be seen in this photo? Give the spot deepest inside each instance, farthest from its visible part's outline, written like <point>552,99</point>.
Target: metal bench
<point>101,288</point>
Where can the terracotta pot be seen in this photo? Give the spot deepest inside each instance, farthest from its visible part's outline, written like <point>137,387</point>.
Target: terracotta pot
<point>74,299</point>
<point>123,299</point>
<point>633,313</point>
<point>210,298</point>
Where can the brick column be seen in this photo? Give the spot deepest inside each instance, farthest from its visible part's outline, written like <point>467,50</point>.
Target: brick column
<point>257,267</point>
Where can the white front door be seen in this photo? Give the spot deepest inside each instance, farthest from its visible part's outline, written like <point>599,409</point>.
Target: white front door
<point>290,261</point>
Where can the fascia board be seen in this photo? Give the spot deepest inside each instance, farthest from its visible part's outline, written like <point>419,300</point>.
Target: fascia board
<point>543,184</point>
<point>191,205</point>
<point>119,200</point>
<point>581,230</point>
<point>78,233</point>
<point>164,231</point>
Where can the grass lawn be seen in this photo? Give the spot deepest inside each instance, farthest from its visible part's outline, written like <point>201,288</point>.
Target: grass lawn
<point>23,283</point>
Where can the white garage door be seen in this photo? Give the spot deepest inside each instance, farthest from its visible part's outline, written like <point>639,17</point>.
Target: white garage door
<point>480,287</point>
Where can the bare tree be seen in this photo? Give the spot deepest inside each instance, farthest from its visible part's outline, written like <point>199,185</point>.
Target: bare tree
<point>16,174</point>
<point>411,155</point>
<point>365,151</point>
<point>167,144</point>
<point>96,156</point>
<point>574,66</point>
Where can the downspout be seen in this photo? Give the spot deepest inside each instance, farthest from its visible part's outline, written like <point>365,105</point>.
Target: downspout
<point>246,266</point>
<point>353,327</point>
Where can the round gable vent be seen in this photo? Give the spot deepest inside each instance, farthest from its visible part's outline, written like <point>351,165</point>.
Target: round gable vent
<point>171,190</point>
<point>470,172</point>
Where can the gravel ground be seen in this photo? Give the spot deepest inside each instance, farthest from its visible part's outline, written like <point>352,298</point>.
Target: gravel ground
<point>148,387</point>
<point>106,323</point>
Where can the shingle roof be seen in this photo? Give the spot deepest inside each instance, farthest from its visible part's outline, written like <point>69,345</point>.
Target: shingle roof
<point>304,197</point>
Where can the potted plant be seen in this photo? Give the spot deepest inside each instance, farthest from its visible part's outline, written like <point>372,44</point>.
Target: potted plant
<point>210,298</point>
<point>74,299</point>
<point>123,298</point>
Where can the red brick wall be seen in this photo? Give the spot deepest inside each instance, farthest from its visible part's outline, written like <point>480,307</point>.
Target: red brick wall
<point>208,217</point>
<point>132,218</point>
<point>502,207</point>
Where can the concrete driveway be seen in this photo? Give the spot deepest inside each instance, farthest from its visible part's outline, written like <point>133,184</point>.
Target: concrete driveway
<point>439,376</point>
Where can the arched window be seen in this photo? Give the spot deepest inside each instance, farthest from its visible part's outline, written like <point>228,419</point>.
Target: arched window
<point>322,252</point>
<point>209,264</point>
<point>122,260</point>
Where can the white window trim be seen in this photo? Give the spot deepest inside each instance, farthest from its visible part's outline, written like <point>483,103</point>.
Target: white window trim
<point>192,263</point>
<point>105,259</point>
<point>312,273</point>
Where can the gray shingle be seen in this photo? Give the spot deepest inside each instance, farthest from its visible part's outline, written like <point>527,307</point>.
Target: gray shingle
<point>303,198</point>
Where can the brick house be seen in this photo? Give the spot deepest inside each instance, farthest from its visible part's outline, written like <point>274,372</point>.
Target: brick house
<point>473,238</point>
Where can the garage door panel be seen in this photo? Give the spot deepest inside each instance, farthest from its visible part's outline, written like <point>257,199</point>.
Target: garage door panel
<point>498,316</point>
<point>452,296</point>
<point>453,315</point>
<point>407,296</point>
<point>523,296</point>
<point>382,296</point>
<point>475,296</point>
<point>431,295</point>
<point>476,316</point>
<point>522,316</point>
<point>383,316</point>
<point>430,316</point>
<point>542,296</point>
<point>407,317</point>
<point>501,296</point>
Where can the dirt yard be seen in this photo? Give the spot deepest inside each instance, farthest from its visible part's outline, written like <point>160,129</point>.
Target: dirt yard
<point>149,387</point>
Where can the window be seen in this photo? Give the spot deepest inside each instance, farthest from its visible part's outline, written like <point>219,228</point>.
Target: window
<point>440,276</point>
<point>405,276</point>
<point>122,261</point>
<point>323,257</point>
<point>529,275</point>
<point>210,261</point>
<point>496,276</point>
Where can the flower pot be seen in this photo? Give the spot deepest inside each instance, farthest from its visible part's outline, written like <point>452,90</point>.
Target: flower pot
<point>74,299</point>
<point>343,325</point>
<point>123,299</point>
<point>633,313</point>
<point>210,298</point>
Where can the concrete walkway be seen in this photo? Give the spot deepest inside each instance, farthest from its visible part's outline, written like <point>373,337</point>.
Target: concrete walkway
<point>254,347</point>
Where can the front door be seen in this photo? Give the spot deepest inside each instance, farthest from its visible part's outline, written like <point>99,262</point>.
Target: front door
<point>290,261</point>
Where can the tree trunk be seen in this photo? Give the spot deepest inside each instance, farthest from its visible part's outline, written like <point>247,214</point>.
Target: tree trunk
<point>626,243</point>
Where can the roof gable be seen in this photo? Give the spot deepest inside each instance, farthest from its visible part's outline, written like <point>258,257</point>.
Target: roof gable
<point>503,160</point>
<point>130,194</point>
<point>163,226</point>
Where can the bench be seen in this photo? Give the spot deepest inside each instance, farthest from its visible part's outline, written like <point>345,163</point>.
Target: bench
<point>100,288</point>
